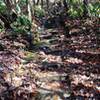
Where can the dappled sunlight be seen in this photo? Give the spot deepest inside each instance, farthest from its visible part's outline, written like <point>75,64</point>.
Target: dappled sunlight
<point>49,50</point>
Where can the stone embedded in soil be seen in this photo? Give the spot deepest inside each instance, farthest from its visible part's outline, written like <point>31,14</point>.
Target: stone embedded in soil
<point>51,86</point>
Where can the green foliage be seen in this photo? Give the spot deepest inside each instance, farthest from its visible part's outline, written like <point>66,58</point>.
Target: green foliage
<point>39,12</point>
<point>94,9</point>
<point>22,25</point>
<point>76,11</point>
<point>76,8</point>
<point>74,2</point>
<point>1,26</point>
<point>23,2</point>
<point>2,7</point>
<point>18,9</point>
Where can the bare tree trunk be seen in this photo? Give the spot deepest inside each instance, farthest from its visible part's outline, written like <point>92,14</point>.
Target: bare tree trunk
<point>47,3</point>
<point>30,9</point>
<point>85,13</point>
<point>37,2</point>
<point>65,6</point>
<point>34,2</point>
<point>5,21</point>
<point>42,3</point>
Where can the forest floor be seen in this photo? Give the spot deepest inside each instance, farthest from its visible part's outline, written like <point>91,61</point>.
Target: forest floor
<point>58,68</point>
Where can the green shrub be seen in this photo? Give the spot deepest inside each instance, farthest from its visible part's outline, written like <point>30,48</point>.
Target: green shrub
<point>94,9</point>
<point>76,8</point>
<point>74,2</point>
<point>22,25</point>
<point>23,2</point>
<point>76,11</point>
<point>2,7</point>
<point>39,12</point>
<point>1,26</point>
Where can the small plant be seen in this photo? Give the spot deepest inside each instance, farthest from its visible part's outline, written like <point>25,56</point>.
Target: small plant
<point>1,26</point>
<point>22,25</point>
<point>75,8</point>
<point>76,11</point>
<point>94,9</point>
<point>36,37</point>
<point>39,12</point>
<point>74,2</point>
<point>2,7</point>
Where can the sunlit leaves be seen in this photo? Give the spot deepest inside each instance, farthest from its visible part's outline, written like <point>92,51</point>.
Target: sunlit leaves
<point>74,1</point>
<point>23,2</point>
<point>76,8</point>
<point>94,9</point>
<point>76,11</point>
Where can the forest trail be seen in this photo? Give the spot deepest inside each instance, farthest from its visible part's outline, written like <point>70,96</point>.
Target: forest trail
<point>60,68</point>
<point>65,55</point>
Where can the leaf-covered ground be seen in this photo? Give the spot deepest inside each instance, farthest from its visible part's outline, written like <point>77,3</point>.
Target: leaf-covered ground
<point>58,68</point>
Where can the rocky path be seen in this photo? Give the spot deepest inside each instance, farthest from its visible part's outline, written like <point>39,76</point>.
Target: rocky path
<point>75,65</point>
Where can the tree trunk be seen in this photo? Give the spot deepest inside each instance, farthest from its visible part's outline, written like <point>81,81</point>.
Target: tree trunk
<point>37,2</point>
<point>42,3</point>
<point>5,20</point>
<point>65,6</point>
<point>47,3</point>
<point>30,9</point>
<point>85,13</point>
<point>34,2</point>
